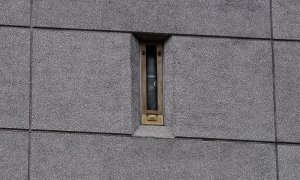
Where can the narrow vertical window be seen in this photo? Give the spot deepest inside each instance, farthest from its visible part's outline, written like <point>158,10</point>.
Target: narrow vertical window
<point>151,82</point>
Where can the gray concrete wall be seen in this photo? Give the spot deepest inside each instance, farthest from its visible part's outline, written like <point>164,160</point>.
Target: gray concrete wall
<point>70,100</point>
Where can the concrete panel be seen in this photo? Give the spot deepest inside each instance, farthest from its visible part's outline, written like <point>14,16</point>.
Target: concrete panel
<point>135,78</point>
<point>14,77</point>
<point>286,18</point>
<point>168,85</point>
<point>248,18</point>
<point>289,162</point>
<point>74,156</point>
<point>82,81</point>
<point>287,73</point>
<point>13,155</point>
<point>15,12</point>
<point>222,88</point>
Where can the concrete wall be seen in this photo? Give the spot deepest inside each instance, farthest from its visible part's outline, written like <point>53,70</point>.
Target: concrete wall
<point>70,102</point>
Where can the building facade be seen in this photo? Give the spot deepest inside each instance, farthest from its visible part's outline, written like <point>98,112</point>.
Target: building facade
<point>71,100</point>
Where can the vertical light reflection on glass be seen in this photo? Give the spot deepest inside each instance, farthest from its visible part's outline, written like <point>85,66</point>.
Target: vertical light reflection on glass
<point>151,77</point>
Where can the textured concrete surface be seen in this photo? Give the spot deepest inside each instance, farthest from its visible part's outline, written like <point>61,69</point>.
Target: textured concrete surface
<point>286,18</point>
<point>14,77</point>
<point>135,79</point>
<point>13,155</point>
<point>88,80</point>
<point>168,85</point>
<point>289,162</point>
<point>223,88</point>
<point>287,73</point>
<point>15,12</point>
<point>73,156</point>
<point>153,131</point>
<point>82,81</point>
<point>248,18</point>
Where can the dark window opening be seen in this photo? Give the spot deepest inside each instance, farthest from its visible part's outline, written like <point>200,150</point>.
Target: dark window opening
<point>151,72</point>
<point>151,83</point>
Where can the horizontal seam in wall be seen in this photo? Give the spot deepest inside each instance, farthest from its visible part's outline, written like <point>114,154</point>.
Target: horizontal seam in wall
<point>80,132</point>
<point>154,33</point>
<point>240,140</point>
<point>14,129</point>
<point>129,135</point>
<point>13,26</point>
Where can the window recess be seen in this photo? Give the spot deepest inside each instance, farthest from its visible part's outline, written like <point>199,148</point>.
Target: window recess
<point>151,83</point>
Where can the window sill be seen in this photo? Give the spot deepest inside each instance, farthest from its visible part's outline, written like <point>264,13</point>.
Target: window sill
<point>153,131</point>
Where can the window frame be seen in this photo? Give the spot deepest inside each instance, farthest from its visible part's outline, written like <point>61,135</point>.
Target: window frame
<point>152,117</point>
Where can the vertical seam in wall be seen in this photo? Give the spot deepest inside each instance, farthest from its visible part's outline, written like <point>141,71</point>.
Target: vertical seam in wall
<point>274,90</point>
<point>173,120</point>
<point>273,70</point>
<point>132,84</point>
<point>30,90</point>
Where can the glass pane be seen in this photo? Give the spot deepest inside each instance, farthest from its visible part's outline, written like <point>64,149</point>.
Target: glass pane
<point>151,77</point>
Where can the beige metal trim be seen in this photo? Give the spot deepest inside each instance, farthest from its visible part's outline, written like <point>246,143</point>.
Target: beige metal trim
<point>152,117</point>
